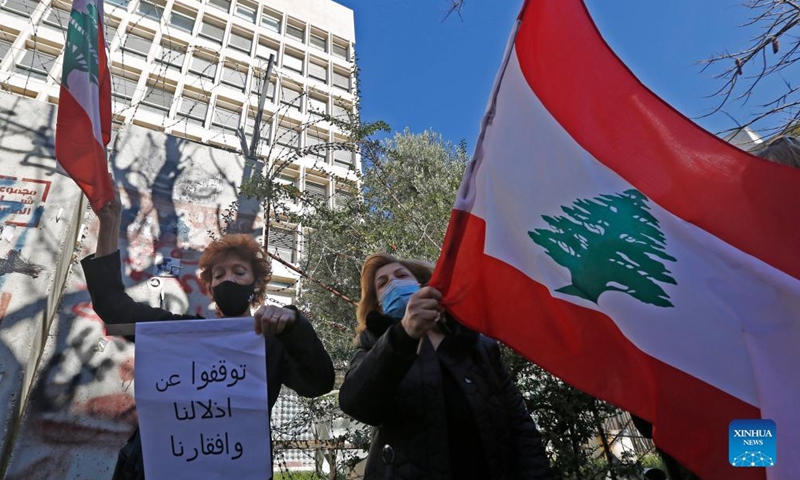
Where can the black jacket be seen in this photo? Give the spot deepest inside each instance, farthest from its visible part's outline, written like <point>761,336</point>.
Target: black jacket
<point>295,358</point>
<point>401,392</point>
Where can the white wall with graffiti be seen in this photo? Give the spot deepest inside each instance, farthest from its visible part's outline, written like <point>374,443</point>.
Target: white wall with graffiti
<point>174,192</point>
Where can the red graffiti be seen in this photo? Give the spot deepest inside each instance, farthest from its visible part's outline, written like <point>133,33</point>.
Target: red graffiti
<point>185,281</point>
<point>116,406</point>
<point>126,370</point>
<point>84,310</point>
<point>5,299</point>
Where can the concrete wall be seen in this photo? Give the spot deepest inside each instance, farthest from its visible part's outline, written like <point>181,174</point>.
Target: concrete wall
<point>80,410</point>
<point>38,209</point>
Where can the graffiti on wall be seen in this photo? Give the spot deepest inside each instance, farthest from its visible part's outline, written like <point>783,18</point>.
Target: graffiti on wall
<point>22,200</point>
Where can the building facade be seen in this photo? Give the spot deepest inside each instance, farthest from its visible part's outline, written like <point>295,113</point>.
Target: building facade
<point>195,69</point>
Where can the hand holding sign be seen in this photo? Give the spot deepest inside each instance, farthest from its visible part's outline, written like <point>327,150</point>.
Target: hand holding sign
<point>204,407</point>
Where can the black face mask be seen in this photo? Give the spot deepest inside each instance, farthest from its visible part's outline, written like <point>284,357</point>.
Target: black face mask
<point>233,299</point>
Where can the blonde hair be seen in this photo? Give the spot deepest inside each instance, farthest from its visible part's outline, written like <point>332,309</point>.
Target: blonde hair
<point>421,270</point>
<point>784,150</point>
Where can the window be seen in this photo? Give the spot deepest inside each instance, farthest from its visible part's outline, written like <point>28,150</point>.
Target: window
<point>241,41</point>
<point>57,18</point>
<point>225,119</point>
<point>121,3</point>
<point>293,61</point>
<point>341,198</point>
<point>316,191</point>
<point>245,12</point>
<point>271,21</point>
<point>203,67</point>
<point>295,32</point>
<point>157,100</point>
<point>150,9</point>
<point>292,98</point>
<point>264,131</point>
<point>340,51</point>
<point>287,137</point>
<point>341,80</point>
<point>36,64</point>
<point>224,5</point>
<point>343,158</point>
<point>172,57</point>
<point>264,50</point>
<point>212,31</point>
<point>234,78</point>
<point>122,89</point>
<point>182,20</point>
<point>317,106</point>
<point>5,46</point>
<point>319,42</point>
<point>317,145</point>
<point>317,71</point>
<point>257,85</point>
<point>193,111</point>
<point>136,46</point>
<point>340,112</point>
<point>281,243</point>
<point>22,8</point>
<point>288,182</point>
<point>110,33</point>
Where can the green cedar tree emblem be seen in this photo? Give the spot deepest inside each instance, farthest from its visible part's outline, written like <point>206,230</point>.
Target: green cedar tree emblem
<point>81,52</point>
<point>609,243</point>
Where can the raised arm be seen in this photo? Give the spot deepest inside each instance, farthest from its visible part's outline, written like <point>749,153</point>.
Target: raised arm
<point>110,217</point>
<point>103,272</point>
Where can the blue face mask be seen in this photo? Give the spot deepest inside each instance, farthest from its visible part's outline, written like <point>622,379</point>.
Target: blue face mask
<point>394,297</point>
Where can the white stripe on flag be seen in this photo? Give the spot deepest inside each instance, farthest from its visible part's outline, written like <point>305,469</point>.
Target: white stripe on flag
<point>723,298</point>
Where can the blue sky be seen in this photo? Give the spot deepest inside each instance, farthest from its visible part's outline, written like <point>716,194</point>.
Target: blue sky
<point>421,72</point>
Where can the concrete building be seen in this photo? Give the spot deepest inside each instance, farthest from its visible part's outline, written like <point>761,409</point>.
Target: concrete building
<point>194,69</point>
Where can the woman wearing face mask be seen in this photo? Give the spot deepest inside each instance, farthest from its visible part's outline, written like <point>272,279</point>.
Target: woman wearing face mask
<point>235,272</point>
<point>442,401</point>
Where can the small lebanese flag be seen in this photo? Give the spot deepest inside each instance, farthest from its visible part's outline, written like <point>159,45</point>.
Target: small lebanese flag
<point>621,247</point>
<point>83,127</point>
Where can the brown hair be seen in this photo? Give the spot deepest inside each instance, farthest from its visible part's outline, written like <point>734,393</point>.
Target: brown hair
<point>784,150</point>
<point>421,269</point>
<point>245,247</point>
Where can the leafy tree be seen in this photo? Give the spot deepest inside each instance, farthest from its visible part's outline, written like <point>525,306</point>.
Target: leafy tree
<point>403,207</point>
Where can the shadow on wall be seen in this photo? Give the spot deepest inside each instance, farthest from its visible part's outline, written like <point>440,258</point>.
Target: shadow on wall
<point>81,409</point>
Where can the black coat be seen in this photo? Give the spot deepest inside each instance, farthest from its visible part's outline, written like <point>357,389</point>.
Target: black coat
<point>295,358</point>
<point>402,393</point>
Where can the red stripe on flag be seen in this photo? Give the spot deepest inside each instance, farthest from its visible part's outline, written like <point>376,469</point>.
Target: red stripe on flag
<point>747,202</point>
<point>104,86</point>
<point>585,347</point>
<point>79,153</point>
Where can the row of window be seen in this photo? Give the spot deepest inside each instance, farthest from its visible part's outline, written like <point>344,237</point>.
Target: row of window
<point>224,118</point>
<point>284,242</point>
<point>173,57</point>
<point>184,18</point>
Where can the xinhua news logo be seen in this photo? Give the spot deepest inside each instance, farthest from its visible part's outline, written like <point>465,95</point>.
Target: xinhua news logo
<point>751,443</point>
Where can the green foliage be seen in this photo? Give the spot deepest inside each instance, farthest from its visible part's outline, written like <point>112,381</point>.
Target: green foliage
<point>407,191</point>
<point>570,422</point>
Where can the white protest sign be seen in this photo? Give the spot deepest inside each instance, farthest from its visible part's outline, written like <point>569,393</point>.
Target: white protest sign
<point>201,397</point>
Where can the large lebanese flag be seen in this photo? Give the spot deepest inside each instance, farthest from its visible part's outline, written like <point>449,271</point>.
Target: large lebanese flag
<point>624,249</point>
<point>83,126</point>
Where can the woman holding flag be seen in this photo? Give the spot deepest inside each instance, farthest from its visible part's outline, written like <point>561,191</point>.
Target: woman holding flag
<point>443,402</point>
<point>235,272</point>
